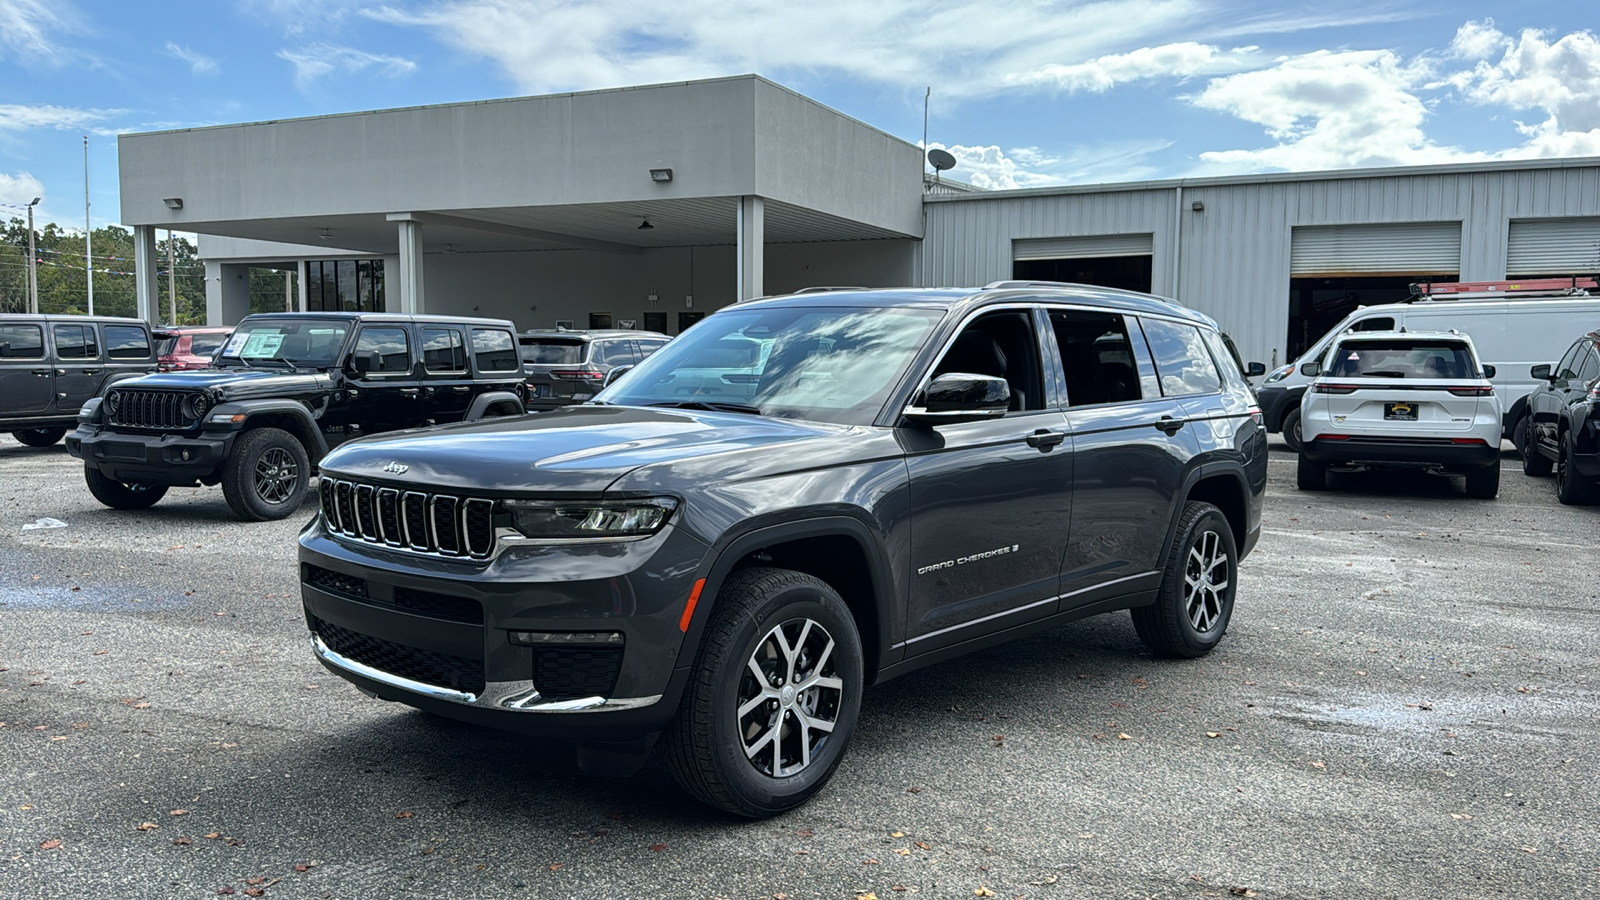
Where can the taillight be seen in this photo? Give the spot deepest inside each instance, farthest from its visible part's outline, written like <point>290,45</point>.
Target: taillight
<point>1325,387</point>
<point>1255,413</point>
<point>1333,437</point>
<point>1468,441</point>
<point>1475,391</point>
<point>579,376</point>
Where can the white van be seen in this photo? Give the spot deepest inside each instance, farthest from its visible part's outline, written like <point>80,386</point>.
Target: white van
<point>1514,326</point>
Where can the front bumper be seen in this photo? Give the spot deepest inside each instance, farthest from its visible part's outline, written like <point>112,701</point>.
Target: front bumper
<point>437,633</point>
<point>170,459</point>
<point>1276,403</point>
<point>1419,452</point>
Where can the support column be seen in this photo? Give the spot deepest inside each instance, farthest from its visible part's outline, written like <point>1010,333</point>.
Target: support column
<point>147,300</point>
<point>410,280</point>
<point>752,230</point>
<point>288,290</point>
<point>227,293</point>
<point>301,288</point>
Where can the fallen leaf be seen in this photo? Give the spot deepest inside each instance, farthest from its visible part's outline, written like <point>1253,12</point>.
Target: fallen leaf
<point>141,705</point>
<point>1529,850</point>
<point>254,892</point>
<point>1241,892</point>
<point>657,848</point>
<point>148,826</point>
<point>181,842</point>
<point>224,890</point>
<point>1319,765</point>
<point>427,851</point>
<point>258,879</point>
<point>556,867</point>
<point>866,895</point>
<point>1048,879</point>
<point>304,867</point>
<point>233,842</point>
<point>179,812</point>
<point>1213,734</point>
<point>403,815</point>
<point>1123,737</point>
<point>902,851</point>
<point>913,790</point>
<point>58,737</point>
<point>805,832</point>
<point>49,845</point>
<point>213,835</point>
<point>983,892</point>
<point>923,845</point>
<point>897,834</point>
<point>869,862</point>
<point>100,652</point>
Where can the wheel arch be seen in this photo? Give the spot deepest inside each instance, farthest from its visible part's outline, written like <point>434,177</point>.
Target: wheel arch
<point>840,550</point>
<point>1223,485</point>
<point>289,415</point>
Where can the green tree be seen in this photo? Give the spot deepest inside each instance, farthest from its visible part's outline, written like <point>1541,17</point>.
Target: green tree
<point>63,282</point>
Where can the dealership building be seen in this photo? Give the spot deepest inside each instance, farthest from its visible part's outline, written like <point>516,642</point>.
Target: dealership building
<point>653,206</point>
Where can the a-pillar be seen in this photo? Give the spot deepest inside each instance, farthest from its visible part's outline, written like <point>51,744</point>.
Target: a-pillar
<point>227,293</point>
<point>410,234</point>
<point>146,298</point>
<point>752,252</point>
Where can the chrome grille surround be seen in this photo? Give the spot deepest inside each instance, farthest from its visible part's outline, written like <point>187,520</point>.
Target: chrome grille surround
<point>153,409</point>
<point>444,525</point>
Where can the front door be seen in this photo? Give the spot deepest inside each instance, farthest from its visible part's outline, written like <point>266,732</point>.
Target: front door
<point>990,500</point>
<point>385,392</point>
<point>1131,445</point>
<point>27,380</point>
<point>128,350</point>
<point>1545,403</point>
<point>79,368</point>
<point>446,382</point>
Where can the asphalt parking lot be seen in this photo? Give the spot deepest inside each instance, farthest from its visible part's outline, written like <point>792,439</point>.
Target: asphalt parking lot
<point>1406,706</point>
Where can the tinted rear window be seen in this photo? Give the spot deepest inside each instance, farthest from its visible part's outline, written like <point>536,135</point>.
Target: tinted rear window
<point>1402,359</point>
<point>542,352</point>
<point>207,344</point>
<point>21,342</point>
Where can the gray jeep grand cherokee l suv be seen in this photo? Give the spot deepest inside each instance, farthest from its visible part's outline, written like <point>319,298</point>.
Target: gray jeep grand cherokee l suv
<point>912,475</point>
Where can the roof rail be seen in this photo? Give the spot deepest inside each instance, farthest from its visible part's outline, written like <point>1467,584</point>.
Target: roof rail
<point>1571,286</point>
<point>820,289</point>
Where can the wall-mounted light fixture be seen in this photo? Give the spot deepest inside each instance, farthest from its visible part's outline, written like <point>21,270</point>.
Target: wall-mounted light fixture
<point>174,202</point>
<point>1198,206</point>
<point>688,301</point>
<point>327,234</point>
<point>645,225</point>
<point>661,176</point>
<point>654,299</point>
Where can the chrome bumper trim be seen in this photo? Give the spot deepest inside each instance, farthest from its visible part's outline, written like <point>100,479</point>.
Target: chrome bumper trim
<point>511,696</point>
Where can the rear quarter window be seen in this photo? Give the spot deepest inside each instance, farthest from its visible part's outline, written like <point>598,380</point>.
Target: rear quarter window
<point>1181,358</point>
<point>21,342</point>
<point>494,350</point>
<point>126,342</point>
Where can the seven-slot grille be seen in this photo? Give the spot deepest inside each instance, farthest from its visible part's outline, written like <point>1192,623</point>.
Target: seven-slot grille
<point>149,409</point>
<point>441,524</point>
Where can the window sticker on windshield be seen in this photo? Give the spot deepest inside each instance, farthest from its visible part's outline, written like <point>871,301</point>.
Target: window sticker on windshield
<point>236,342</point>
<point>263,344</point>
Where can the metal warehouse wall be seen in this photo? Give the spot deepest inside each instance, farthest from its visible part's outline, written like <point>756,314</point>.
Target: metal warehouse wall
<point>1234,259</point>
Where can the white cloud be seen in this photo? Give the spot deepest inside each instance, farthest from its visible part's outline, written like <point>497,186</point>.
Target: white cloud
<point>1026,167</point>
<point>964,48</point>
<point>1171,61</point>
<point>317,60</point>
<point>16,117</point>
<point>300,16</point>
<point>1560,79</point>
<point>19,189</point>
<point>199,64</point>
<point>26,27</point>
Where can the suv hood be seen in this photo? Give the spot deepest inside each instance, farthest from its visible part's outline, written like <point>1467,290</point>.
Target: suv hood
<point>236,384</point>
<point>578,449</point>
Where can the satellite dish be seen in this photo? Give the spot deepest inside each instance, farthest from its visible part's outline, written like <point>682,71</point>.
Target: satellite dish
<point>941,159</point>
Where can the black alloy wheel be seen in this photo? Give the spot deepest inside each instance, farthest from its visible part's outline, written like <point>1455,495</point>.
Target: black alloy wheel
<point>266,475</point>
<point>1195,600</point>
<point>1291,429</point>
<point>1534,463</point>
<point>39,437</point>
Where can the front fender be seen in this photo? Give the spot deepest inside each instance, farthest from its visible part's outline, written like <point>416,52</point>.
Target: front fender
<point>235,415</point>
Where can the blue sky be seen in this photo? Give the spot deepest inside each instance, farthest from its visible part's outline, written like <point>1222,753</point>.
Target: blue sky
<point>1025,94</point>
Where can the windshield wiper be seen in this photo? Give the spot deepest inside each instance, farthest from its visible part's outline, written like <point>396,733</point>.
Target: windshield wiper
<point>710,406</point>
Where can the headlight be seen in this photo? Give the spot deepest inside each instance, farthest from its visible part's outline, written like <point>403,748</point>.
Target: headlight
<point>195,406</point>
<point>594,519</point>
<point>113,402</point>
<point>1280,374</point>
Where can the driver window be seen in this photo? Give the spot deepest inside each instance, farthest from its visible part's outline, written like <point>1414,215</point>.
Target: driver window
<point>1005,345</point>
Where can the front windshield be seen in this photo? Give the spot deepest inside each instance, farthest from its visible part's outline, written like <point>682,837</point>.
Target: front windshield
<point>826,364</point>
<point>301,342</point>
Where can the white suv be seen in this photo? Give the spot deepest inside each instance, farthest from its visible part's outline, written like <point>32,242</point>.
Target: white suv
<point>1402,399</point>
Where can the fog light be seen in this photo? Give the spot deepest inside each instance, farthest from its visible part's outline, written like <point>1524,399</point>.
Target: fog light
<point>567,638</point>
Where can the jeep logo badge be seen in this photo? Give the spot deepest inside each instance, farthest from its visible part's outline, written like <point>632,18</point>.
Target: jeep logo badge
<point>395,468</point>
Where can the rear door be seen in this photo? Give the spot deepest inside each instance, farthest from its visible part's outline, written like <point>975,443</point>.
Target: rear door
<point>446,380</point>
<point>79,368</point>
<point>27,380</point>
<point>1131,446</point>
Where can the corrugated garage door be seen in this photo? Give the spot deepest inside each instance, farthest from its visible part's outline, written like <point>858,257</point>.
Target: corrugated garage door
<point>1084,247</point>
<point>1407,248</point>
<point>1553,247</point>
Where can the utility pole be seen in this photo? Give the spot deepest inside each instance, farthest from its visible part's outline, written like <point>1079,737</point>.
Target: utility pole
<point>33,263</point>
<point>172,275</point>
<point>88,228</point>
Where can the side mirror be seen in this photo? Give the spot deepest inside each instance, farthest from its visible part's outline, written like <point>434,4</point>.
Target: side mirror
<point>614,374</point>
<point>1251,370</point>
<point>1311,369</point>
<point>1488,371</point>
<point>960,397</point>
<point>364,361</point>
<point>1540,372</point>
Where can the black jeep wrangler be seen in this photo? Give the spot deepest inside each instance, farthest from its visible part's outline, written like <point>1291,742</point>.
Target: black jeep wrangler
<point>285,388</point>
<point>901,477</point>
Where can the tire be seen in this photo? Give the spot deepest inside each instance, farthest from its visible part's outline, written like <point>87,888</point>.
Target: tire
<point>728,760</point>
<point>1195,600</point>
<point>1484,483</point>
<point>39,437</point>
<point>1534,463</point>
<point>1291,429</point>
<point>266,475</point>
<point>1310,475</point>
<point>117,495</point>
<point>1572,488</point>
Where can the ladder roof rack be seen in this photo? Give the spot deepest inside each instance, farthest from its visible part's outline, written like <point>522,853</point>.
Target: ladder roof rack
<point>1529,288</point>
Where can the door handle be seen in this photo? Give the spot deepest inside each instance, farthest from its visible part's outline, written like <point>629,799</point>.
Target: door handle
<point>1169,425</point>
<point>42,373</point>
<point>91,371</point>
<point>409,392</point>
<point>429,392</point>
<point>1045,439</point>
<point>461,389</point>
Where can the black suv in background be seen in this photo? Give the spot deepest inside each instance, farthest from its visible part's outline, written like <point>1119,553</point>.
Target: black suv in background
<point>563,367</point>
<point>286,387</point>
<point>1564,423</point>
<point>51,365</point>
<point>906,476</point>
